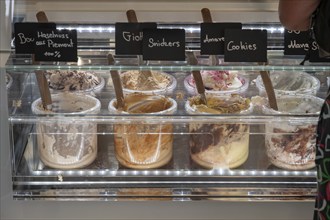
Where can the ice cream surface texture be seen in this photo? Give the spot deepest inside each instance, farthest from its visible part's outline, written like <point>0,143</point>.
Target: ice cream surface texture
<point>156,83</point>
<point>219,145</point>
<point>144,145</point>
<point>218,82</point>
<point>291,144</point>
<point>73,80</point>
<point>286,83</point>
<point>220,105</point>
<point>138,103</point>
<point>67,143</point>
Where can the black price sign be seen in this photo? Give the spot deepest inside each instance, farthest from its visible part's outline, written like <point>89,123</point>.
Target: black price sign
<point>213,37</point>
<point>56,45</point>
<point>25,36</point>
<point>245,46</point>
<point>129,37</point>
<point>164,44</point>
<point>314,55</point>
<point>296,42</point>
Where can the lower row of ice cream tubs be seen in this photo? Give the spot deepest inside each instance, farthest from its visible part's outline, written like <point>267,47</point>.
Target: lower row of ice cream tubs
<point>64,145</point>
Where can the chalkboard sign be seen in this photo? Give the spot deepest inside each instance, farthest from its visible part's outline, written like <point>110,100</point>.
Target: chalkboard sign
<point>296,42</point>
<point>314,54</point>
<point>212,37</point>
<point>56,45</point>
<point>129,37</point>
<point>25,35</point>
<point>164,44</point>
<point>245,46</point>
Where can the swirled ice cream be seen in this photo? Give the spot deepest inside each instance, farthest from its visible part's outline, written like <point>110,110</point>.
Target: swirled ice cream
<point>290,144</point>
<point>215,81</point>
<point>67,143</point>
<point>156,83</point>
<point>74,80</point>
<point>144,145</point>
<point>219,145</point>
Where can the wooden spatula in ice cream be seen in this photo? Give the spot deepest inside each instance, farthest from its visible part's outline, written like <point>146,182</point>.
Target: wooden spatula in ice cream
<point>192,60</point>
<point>207,18</point>
<point>40,74</point>
<point>116,83</point>
<point>269,89</point>
<point>144,74</point>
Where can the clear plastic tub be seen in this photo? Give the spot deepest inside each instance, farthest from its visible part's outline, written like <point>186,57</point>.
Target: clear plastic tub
<point>219,145</point>
<point>144,145</point>
<point>214,84</point>
<point>287,83</point>
<point>66,143</point>
<point>161,83</point>
<point>291,144</point>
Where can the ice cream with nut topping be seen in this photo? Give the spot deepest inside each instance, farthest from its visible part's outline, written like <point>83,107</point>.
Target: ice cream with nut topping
<point>156,83</point>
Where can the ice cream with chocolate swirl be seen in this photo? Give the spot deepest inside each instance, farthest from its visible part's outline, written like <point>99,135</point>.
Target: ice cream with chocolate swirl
<point>219,145</point>
<point>290,144</point>
<point>65,142</point>
<point>73,80</point>
<point>144,145</point>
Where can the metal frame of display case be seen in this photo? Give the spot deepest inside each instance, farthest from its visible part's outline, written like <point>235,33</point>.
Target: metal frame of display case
<point>23,196</point>
<point>178,181</point>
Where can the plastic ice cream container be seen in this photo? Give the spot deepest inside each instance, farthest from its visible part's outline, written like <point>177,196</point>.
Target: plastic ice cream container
<point>219,145</point>
<point>144,145</point>
<point>290,144</point>
<point>66,143</point>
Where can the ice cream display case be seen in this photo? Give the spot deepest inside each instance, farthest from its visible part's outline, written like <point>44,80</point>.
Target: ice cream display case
<point>160,153</point>
<point>164,144</point>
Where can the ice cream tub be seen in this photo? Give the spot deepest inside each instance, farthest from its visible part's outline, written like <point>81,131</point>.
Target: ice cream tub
<point>219,82</point>
<point>74,81</point>
<point>144,145</point>
<point>219,145</point>
<point>160,83</point>
<point>288,83</point>
<point>290,144</point>
<point>67,143</point>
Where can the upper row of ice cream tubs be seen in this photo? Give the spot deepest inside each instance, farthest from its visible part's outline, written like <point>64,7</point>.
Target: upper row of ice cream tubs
<point>215,82</point>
